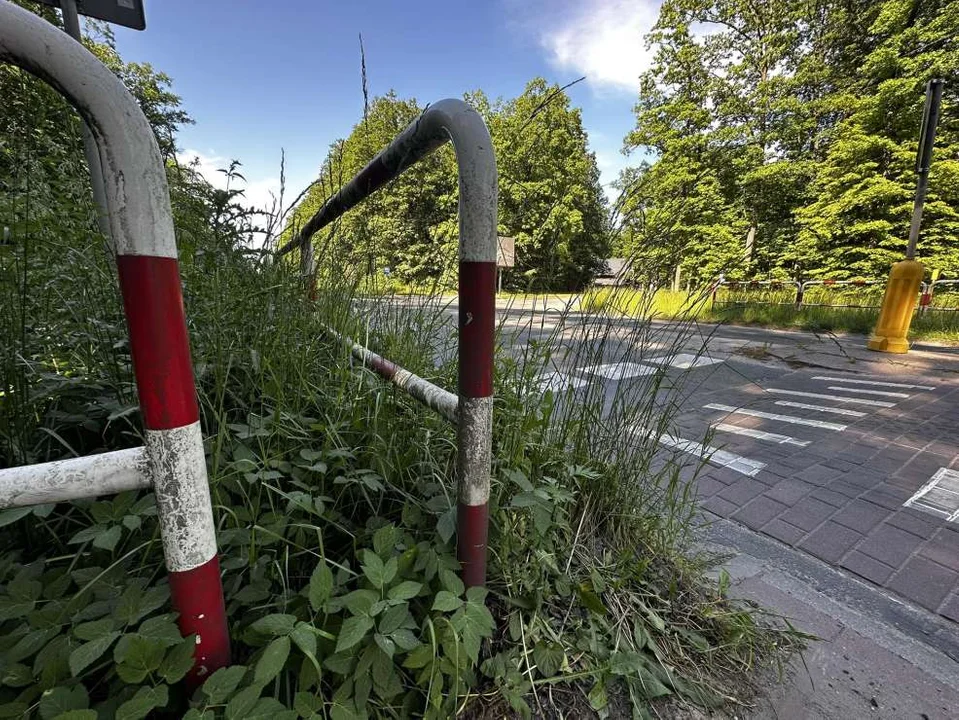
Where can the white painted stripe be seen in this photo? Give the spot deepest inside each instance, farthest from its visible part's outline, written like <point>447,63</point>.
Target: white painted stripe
<point>821,408</point>
<point>723,458</point>
<point>939,496</point>
<point>874,382</point>
<point>774,416</point>
<point>759,434</point>
<point>883,393</point>
<point>82,477</point>
<point>684,361</point>
<point>474,450</point>
<point>837,398</point>
<point>619,371</point>
<point>178,468</point>
<point>559,382</point>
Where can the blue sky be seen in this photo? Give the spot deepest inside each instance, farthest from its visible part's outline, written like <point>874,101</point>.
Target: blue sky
<point>258,76</point>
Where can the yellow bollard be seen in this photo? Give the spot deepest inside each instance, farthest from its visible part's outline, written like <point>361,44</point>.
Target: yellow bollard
<point>897,306</point>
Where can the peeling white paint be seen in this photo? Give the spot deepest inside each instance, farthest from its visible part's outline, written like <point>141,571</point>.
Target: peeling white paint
<point>82,477</point>
<point>475,450</point>
<point>183,496</point>
<point>133,171</point>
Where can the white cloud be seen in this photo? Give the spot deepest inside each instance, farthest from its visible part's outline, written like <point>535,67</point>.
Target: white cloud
<point>603,40</point>
<point>256,191</point>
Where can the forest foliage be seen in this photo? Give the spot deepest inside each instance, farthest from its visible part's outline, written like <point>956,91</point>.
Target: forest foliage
<point>780,139</point>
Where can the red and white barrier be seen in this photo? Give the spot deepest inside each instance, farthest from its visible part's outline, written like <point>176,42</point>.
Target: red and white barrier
<point>141,225</point>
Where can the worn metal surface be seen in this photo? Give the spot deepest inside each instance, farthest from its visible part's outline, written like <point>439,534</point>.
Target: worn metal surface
<point>134,174</point>
<point>178,467</point>
<point>474,450</point>
<point>440,123</point>
<point>83,477</point>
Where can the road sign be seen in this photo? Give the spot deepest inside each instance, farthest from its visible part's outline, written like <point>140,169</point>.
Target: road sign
<point>505,252</point>
<point>128,13</point>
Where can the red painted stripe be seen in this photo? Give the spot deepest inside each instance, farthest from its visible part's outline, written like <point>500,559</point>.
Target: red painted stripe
<point>477,320</point>
<point>471,531</point>
<point>153,304</point>
<point>198,596</point>
<point>384,367</point>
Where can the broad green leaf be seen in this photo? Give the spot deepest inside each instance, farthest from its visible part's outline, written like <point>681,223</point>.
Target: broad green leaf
<point>77,715</point>
<point>549,658</point>
<point>385,644</point>
<point>108,539</point>
<point>178,660</point>
<point>29,644</point>
<point>373,568</point>
<point>272,660</point>
<point>161,630</point>
<point>94,629</point>
<point>404,639</point>
<point>305,638</point>
<point>321,585</point>
<point>270,709</point>
<point>446,602</point>
<point>13,514</point>
<point>221,684</point>
<point>90,652</point>
<point>451,581</point>
<point>140,705</point>
<point>137,657</point>
<point>276,624</point>
<point>389,571</point>
<point>59,700</point>
<point>394,618</point>
<point>406,590</point>
<point>359,602</point>
<point>243,702</point>
<point>353,630</point>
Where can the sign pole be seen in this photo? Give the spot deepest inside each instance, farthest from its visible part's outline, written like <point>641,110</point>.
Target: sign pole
<point>927,137</point>
<point>71,24</point>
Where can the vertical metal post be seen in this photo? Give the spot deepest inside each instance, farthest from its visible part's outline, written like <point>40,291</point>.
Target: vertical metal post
<point>142,230</point>
<point>927,138</point>
<point>71,23</point>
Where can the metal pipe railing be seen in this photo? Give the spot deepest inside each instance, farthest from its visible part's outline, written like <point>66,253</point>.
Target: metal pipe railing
<point>141,225</point>
<point>442,122</point>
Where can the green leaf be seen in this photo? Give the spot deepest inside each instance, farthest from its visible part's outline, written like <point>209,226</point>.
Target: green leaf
<point>373,568</point>
<point>353,630</point>
<point>321,585</point>
<point>305,638</point>
<point>406,590</point>
<point>178,660</point>
<point>446,602</point>
<point>30,644</point>
<point>137,657</point>
<point>446,525</point>
<point>384,540</point>
<point>13,514</point>
<point>108,539</point>
<point>243,702</point>
<point>385,644</point>
<point>451,581</point>
<point>405,639</point>
<point>548,658</point>
<point>394,617</point>
<point>420,657</point>
<point>94,629</point>
<point>77,715</point>
<point>60,700</point>
<point>140,705</point>
<point>221,684</point>
<point>161,630</point>
<point>270,709</point>
<point>89,652</point>
<point>359,602</point>
<point>272,660</point>
<point>276,624</point>
<point>648,685</point>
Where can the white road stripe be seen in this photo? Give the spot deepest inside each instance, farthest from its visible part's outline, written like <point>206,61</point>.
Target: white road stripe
<point>723,458</point>
<point>619,371</point>
<point>874,382</point>
<point>685,361</point>
<point>939,496</point>
<point>559,382</point>
<point>884,393</point>
<point>774,416</point>
<point>837,398</point>
<point>759,434</point>
<point>821,408</point>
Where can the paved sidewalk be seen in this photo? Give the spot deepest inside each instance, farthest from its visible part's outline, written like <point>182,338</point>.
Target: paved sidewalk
<point>876,657</point>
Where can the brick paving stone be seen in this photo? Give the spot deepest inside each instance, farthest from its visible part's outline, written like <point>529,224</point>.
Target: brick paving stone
<point>759,512</point>
<point>828,496</point>
<point>741,492</point>
<point>861,516</point>
<point>799,461</point>
<point>840,464</point>
<point>783,531</point>
<point>720,507</point>
<point>707,485</point>
<point>862,478</point>
<point>844,488</point>
<point>808,513</point>
<point>950,608</point>
<point>818,475</point>
<point>943,548</point>
<point>830,541</point>
<point>889,544</point>
<point>789,491</point>
<point>867,567</point>
<point>887,496</point>
<point>916,522</point>
<point>924,582</point>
